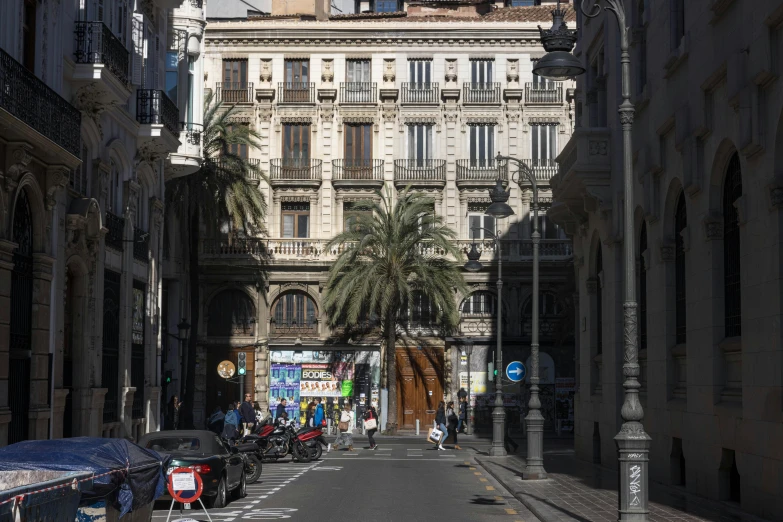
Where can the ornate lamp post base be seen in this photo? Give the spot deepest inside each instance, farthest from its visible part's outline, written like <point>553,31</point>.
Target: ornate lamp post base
<point>633,448</point>
<point>498,425</point>
<point>534,470</point>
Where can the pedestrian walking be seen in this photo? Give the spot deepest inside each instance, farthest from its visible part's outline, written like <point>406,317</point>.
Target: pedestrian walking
<point>172,413</point>
<point>453,420</point>
<point>280,408</point>
<point>248,414</point>
<point>440,422</point>
<point>371,425</point>
<point>231,422</point>
<point>310,415</point>
<point>320,416</point>
<point>463,414</point>
<point>344,427</point>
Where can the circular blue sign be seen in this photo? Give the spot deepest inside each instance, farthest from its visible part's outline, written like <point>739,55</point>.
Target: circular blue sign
<point>515,371</point>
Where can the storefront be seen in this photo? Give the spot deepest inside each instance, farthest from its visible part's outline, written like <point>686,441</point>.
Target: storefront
<point>337,376</point>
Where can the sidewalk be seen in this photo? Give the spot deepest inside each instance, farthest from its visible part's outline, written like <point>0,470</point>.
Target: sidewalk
<point>580,491</point>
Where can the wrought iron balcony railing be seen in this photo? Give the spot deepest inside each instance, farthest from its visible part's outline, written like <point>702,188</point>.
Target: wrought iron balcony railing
<point>116,226</point>
<point>295,92</point>
<point>29,99</point>
<point>481,93</point>
<point>481,170</point>
<point>544,94</point>
<point>192,132</point>
<point>543,169</point>
<point>234,92</point>
<point>295,169</point>
<point>358,92</point>
<point>357,169</point>
<point>153,107</point>
<point>141,245</point>
<point>420,170</point>
<point>420,93</point>
<point>95,43</point>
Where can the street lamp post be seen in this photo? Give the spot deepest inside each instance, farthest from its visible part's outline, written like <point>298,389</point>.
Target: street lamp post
<point>498,209</point>
<point>184,329</point>
<point>633,443</point>
<point>534,420</point>
<point>469,420</point>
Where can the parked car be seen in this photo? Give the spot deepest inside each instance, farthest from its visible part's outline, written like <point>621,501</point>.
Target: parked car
<point>221,467</point>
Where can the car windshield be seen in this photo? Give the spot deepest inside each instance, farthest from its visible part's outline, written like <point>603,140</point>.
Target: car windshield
<point>174,444</point>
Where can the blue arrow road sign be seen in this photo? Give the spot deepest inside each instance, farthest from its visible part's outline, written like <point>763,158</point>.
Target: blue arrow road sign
<point>515,371</point>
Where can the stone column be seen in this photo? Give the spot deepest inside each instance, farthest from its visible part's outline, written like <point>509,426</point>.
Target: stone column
<point>125,406</point>
<point>262,374</point>
<point>6,266</point>
<point>58,410</point>
<point>40,411</point>
<point>94,415</point>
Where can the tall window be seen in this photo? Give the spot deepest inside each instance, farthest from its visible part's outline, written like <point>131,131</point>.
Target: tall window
<point>480,225</point>
<point>482,145</point>
<point>732,190</point>
<point>677,22</point>
<point>29,14</point>
<point>235,73</point>
<point>642,288</point>
<point>240,149</point>
<point>599,313</point>
<point>296,145</point>
<point>297,78</point>
<point>172,76</point>
<point>544,139</point>
<point>295,309</point>
<point>420,74</point>
<point>191,91</point>
<point>358,145</point>
<point>420,144</point>
<point>358,71</point>
<point>479,303</point>
<point>421,309</point>
<point>481,72</point>
<point>680,222</point>
<point>353,212</point>
<point>296,219</point>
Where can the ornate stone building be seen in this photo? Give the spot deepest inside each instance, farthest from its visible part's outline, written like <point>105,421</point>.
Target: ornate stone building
<point>351,104</point>
<point>86,133</point>
<point>708,161</point>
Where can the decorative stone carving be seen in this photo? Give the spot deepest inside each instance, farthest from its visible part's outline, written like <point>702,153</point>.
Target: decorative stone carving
<point>265,113</point>
<point>598,148</point>
<point>389,73</point>
<point>389,112</point>
<point>327,112</point>
<point>266,70</point>
<point>56,179</point>
<point>101,172</point>
<point>451,70</point>
<point>451,116</point>
<point>514,113</point>
<point>327,70</point>
<point>713,227</point>
<point>512,72</point>
<point>132,190</point>
<point>20,160</point>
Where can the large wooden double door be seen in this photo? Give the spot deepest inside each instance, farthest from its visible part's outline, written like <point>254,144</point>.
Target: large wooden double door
<point>419,385</point>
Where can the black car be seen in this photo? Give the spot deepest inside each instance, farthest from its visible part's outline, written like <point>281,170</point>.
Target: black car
<point>222,468</point>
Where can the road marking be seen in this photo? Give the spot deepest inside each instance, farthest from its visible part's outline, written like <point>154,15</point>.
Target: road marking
<point>499,498</point>
<point>477,473</point>
<point>472,469</point>
<point>511,512</point>
<point>482,479</point>
<point>490,488</point>
<point>468,464</point>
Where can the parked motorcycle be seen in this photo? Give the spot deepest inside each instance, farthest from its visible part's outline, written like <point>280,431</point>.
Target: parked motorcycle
<point>314,440</point>
<point>253,458</point>
<point>276,442</point>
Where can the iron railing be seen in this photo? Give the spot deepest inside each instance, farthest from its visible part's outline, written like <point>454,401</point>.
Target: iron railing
<point>234,92</point>
<point>420,170</point>
<point>116,226</point>
<point>358,92</point>
<point>420,93</point>
<point>95,43</point>
<point>543,169</point>
<point>141,245</point>
<point>153,107</point>
<point>295,92</point>
<point>192,132</point>
<point>481,170</point>
<point>26,97</point>
<point>366,169</point>
<point>481,93</point>
<point>536,93</point>
<point>295,169</point>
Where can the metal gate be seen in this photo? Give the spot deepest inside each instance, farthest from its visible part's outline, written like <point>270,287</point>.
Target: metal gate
<point>111,345</point>
<point>137,349</point>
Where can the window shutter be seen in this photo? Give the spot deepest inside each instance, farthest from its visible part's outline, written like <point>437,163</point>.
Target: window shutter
<point>138,47</point>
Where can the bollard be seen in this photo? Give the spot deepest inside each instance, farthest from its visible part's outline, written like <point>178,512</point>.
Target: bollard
<point>329,426</point>
<point>417,427</point>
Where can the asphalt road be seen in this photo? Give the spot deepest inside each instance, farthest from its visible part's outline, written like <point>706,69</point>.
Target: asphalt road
<point>403,481</point>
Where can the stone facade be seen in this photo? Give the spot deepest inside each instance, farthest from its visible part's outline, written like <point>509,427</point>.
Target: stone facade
<point>708,146</point>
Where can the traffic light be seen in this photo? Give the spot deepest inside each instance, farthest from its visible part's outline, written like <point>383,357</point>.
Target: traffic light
<point>167,377</point>
<point>241,363</point>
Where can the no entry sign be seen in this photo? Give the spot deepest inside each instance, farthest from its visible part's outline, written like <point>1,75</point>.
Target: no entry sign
<point>185,485</point>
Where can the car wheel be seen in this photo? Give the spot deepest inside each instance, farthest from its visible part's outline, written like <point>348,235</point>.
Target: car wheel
<point>252,469</point>
<point>241,489</point>
<point>220,499</point>
<point>301,453</point>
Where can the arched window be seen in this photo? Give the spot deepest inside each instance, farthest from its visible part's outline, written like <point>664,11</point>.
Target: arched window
<point>732,293</point>
<point>479,303</point>
<point>231,312</point>
<point>680,222</point>
<point>294,312</point>
<point>642,289</point>
<point>599,315</point>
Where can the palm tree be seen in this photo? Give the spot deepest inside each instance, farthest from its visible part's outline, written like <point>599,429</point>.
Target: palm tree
<point>220,190</point>
<point>385,259</point>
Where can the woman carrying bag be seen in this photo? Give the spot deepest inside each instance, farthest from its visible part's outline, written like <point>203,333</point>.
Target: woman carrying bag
<point>440,422</point>
<point>371,425</point>
<point>344,427</point>
<point>453,420</point>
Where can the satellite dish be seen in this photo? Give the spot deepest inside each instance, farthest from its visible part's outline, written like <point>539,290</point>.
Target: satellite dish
<point>226,369</point>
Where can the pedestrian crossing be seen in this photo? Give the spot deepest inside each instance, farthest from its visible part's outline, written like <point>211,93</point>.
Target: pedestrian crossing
<point>393,452</point>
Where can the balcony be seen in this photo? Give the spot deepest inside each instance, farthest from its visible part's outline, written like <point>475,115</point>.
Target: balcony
<point>543,169</point>
<point>116,226</point>
<point>141,245</point>
<point>159,119</point>
<point>234,92</point>
<point>357,173</point>
<point>187,159</point>
<point>480,173</point>
<point>32,112</point>
<point>295,172</point>
<point>420,94</point>
<point>295,93</point>
<point>519,249</point>
<point>102,61</point>
<point>481,93</point>
<point>537,94</point>
<point>420,173</point>
<point>358,92</point>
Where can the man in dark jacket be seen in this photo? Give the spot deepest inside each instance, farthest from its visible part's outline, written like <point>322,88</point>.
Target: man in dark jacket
<point>247,412</point>
<point>280,409</point>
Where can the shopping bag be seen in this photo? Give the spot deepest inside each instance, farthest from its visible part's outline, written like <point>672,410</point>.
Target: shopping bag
<point>370,424</point>
<point>434,435</point>
<point>342,426</point>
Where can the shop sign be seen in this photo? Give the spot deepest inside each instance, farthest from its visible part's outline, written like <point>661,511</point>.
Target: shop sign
<point>318,381</point>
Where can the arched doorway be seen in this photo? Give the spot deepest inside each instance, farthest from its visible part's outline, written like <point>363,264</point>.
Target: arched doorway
<point>21,321</point>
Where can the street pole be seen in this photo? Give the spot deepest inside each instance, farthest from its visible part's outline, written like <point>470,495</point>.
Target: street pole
<point>469,420</point>
<point>499,413</point>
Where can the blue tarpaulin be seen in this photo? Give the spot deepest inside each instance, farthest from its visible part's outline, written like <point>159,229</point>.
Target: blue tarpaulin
<point>126,474</point>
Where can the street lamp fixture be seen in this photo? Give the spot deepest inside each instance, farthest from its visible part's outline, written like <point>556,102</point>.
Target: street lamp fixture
<point>473,264</point>
<point>184,330</point>
<point>558,64</point>
<point>633,443</point>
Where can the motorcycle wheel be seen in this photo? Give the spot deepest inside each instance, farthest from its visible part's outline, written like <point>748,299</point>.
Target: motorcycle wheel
<point>253,469</point>
<point>316,451</point>
<point>301,453</point>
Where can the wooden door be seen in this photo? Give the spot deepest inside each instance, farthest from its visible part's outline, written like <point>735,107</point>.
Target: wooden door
<point>419,385</point>
<point>220,392</point>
